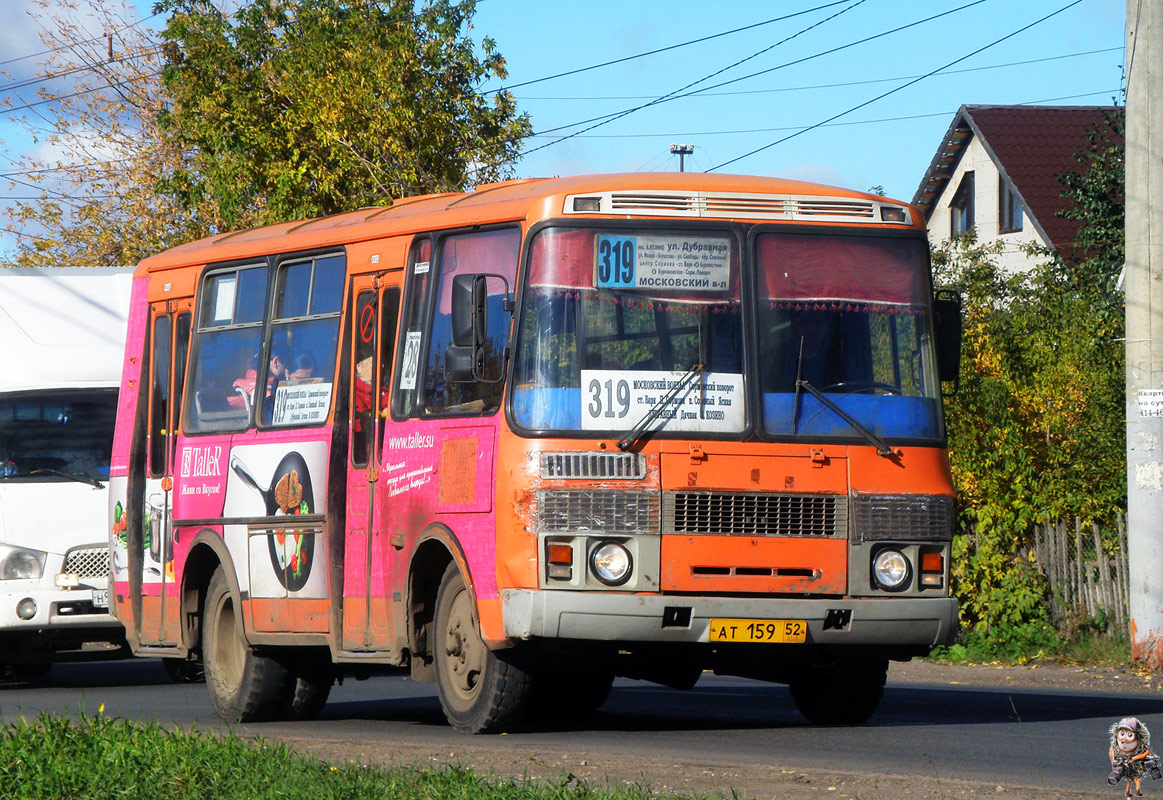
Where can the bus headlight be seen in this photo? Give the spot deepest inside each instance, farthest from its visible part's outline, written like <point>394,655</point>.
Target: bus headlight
<point>891,569</point>
<point>21,563</point>
<point>611,563</point>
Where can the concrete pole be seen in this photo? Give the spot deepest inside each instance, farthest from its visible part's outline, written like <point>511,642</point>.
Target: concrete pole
<point>1144,298</point>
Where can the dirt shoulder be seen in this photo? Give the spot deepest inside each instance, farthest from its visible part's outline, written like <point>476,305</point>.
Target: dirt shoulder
<point>698,777</point>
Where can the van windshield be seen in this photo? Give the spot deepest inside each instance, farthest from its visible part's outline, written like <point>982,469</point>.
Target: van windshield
<point>54,435</point>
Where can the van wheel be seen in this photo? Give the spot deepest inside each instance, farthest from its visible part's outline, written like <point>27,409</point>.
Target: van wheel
<point>244,685</point>
<point>479,692</point>
<point>843,692</point>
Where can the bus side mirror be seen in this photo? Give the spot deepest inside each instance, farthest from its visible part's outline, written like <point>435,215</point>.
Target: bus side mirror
<point>469,310</point>
<point>947,327</point>
<point>466,360</point>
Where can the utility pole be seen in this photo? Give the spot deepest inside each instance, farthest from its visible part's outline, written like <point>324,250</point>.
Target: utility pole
<point>1144,309</point>
<point>681,150</point>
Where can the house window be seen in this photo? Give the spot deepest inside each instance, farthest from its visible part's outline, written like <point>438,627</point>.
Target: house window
<point>961,209</point>
<point>1009,208</point>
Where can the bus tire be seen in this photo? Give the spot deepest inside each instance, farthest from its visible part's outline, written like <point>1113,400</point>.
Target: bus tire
<point>183,670</point>
<point>310,684</point>
<point>244,685</point>
<point>561,696</point>
<point>843,692</point>
<point>479,692</point>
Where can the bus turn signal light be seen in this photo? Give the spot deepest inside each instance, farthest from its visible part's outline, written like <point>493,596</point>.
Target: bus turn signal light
<point>932,569</point>
<point>560,557</point>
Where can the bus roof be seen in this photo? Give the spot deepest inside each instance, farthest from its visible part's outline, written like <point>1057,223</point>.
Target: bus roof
<point>63,327</point>
<point>655,194</point>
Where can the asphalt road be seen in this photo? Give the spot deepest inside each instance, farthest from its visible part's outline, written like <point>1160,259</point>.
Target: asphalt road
<point>1053,739</point>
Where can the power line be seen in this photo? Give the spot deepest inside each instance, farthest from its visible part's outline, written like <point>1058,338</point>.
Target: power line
<point>52,76</point>
<point>842,84</point>
<point>899,88</point>
<point>677,96</point>
<point>905,118</point>
<point>610,118</point>
<point>662,49</point>
<point>83,41</point>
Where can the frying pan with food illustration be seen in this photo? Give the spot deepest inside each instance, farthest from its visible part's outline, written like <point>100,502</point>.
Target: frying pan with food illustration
<point>292,552</point>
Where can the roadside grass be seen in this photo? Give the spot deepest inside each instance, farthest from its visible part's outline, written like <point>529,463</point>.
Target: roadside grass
<point>97,758</point>
<point>1087,648</point>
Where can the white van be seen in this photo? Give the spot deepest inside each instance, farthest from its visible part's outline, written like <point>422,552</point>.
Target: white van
<point>63,337</point>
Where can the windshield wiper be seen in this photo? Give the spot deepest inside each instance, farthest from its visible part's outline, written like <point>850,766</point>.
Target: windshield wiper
<point>882,447</point>
<point>634,434</point>
<point>71,476</point>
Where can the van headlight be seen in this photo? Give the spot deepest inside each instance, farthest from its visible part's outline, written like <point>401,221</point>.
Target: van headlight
<point>21,563</point>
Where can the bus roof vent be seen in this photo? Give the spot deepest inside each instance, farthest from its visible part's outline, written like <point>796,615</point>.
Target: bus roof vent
<point>736,205</point>
<point>655,203</point>
<point>593,466</point>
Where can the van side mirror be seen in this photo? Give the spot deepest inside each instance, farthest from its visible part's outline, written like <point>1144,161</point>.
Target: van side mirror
<point>947,328</point>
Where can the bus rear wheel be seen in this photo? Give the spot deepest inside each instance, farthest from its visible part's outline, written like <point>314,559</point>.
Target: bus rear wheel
<point>244,685</point>
<point>845,691</point>
<point>479,692</point>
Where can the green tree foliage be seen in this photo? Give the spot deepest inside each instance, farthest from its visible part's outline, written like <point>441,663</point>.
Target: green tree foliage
<point>297,108</point>
<point>91,114</point>
<point>1037,430</point>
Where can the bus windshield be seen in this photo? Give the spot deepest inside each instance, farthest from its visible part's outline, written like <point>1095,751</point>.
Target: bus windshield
<point>614,319</point>
<point>58,435</point>
<point>846,316</point>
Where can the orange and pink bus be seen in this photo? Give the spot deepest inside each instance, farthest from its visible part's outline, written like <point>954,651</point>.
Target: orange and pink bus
<point>525,439</point>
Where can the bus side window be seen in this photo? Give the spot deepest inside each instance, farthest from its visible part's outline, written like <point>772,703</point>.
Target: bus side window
<point>415,297</point>
<point>159,397</point>
<point>494,252</point>
<point>361,393</point>
<point>389,316</point>
<point>300,363</point>
<point>229,333</point>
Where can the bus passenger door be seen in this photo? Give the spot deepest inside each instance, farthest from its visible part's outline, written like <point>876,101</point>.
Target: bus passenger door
<point>169,343</point>
<point>367,589</point>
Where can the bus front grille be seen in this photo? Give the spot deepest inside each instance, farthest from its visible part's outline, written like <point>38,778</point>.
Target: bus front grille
<point>754,514</point>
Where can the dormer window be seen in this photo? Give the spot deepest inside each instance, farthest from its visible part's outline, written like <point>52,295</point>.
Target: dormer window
<point>1009,208</point>
<point>961,209</point>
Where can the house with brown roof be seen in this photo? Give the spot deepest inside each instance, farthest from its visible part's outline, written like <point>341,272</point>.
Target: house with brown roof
<point>996,170</point>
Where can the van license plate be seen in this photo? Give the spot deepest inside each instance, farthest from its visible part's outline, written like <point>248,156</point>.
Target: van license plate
<point>758,630</point>
<point>101,598</point>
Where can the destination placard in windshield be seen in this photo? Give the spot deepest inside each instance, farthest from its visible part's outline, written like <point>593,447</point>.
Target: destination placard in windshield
<point>676,263</point>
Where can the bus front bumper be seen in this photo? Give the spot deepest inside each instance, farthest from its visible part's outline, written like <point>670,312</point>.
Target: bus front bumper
<point>614,617</point>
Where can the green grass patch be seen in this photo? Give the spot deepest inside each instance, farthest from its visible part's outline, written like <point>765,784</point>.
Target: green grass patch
<point>1035,643</point>
<point>98,757</point>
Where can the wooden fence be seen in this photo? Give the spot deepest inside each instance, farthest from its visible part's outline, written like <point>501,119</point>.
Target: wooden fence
<point>1085,574</point>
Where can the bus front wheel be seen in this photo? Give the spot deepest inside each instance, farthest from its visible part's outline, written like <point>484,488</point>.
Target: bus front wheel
<point>843,692</point>
<point>479,692</point>
<point>244,685</point>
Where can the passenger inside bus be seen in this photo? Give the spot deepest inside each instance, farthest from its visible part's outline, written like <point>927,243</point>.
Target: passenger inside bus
<point>243,396</point>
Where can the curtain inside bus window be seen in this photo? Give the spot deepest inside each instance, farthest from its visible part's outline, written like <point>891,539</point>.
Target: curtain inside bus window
<point>304,337</point>
<point>590,356</point>
<point>225,370</point>
<point>848,315</point>
<point>493,252</point>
